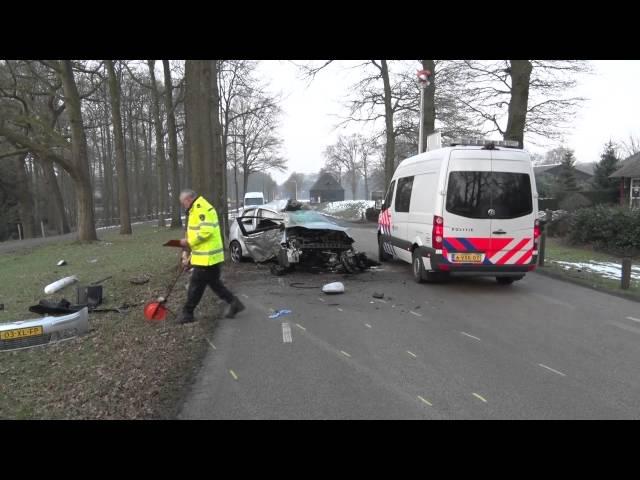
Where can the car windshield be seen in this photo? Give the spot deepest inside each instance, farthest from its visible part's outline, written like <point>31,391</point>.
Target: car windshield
<point>253,201</point>
<point>473,194</point>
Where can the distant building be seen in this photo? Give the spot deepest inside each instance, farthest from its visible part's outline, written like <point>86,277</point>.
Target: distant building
<point>629,175</point>
<point>326,189</point>
<point>583,171</point>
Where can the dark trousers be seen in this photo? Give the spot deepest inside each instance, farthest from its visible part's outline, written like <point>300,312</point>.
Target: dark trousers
<point>200,278</point>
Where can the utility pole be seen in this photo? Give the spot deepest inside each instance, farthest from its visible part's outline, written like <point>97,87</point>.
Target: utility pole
<point>423,81</point>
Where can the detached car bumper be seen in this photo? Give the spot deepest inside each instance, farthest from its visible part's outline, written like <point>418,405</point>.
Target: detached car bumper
<point>41,331</point>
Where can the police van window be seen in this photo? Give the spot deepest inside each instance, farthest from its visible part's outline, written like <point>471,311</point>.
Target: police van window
<point>403,195</point>
<point>473,194</point>
<point>387,199</point>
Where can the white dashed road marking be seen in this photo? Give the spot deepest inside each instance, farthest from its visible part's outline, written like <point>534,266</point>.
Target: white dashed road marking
<point>233,374</point>
<point>345,354</point>
<point>340,310</point>
<point>300,326</point>
<point>470,336</point>
<point>286,333</point>
<point>634,319</point>
<point>412,354</point>
<point>415,313</point>
<point>367,325</point>
<point>480,397</point>
<point>212,345</point>
<point>551,369</point>
<point>424,401</point>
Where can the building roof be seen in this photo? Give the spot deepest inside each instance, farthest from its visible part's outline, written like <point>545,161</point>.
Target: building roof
<point>326,182</point>
<point>630,167</point>
<point>555,169</point>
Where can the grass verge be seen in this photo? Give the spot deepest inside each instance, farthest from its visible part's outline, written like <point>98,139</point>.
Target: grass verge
<point>125,367</point>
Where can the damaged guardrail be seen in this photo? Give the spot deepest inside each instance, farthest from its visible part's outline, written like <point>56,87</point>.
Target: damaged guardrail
<point>42,331</point>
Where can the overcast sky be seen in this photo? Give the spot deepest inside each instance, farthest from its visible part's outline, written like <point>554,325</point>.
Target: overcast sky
<point>311,111</point>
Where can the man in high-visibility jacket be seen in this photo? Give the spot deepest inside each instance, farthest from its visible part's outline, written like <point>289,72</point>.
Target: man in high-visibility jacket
<point>204,241</point>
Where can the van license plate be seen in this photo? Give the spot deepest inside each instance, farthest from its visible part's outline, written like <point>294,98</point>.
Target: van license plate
<point>467,257</point>
<point>21,333</point>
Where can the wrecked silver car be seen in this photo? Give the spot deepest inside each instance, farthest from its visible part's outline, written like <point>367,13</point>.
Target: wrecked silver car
<point>291,234</point>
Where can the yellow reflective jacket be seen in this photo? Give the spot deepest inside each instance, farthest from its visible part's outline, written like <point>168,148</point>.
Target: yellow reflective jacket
<point>203,234</point>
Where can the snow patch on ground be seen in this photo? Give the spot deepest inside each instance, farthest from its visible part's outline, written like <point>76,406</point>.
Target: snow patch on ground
<point>347,208</point>
<point>604,269</point>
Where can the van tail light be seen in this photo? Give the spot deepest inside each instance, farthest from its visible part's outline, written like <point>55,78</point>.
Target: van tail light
<point>536,233</point>
<point>438,232</point>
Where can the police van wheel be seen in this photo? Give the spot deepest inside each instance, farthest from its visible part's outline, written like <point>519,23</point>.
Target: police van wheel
<point>382,255</point>
<point>236,251</point>
<point>419,273</point>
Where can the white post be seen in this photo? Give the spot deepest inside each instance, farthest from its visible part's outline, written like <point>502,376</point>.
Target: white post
<point>42,228</point>
<point>19,231</point>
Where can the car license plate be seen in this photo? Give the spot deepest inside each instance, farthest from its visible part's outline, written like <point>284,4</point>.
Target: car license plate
<point>467,257</point>
<point>21,333</point>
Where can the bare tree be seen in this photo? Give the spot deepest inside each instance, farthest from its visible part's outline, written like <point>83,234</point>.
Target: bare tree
<point>519,97</point>
<point>176,221</point>
<point>121,161</point>
<point>350,154</point>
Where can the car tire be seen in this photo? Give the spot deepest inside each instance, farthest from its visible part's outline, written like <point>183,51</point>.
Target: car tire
<point>417,267</point>
<point>235,251</point>
<point>382,255</point>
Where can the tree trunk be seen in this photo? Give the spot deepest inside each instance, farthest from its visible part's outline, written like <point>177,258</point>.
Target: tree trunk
<point>160,156</point>
<point>56,195</point>
<point>25,198</point>
<point>520,79</point>
<point>389,150</point>
<point>133,129</point>
<point>192,106</point>
<point>219,169</point>
<point>121,161</point>
<point>147,174</point>
<point>79,159</point>
<point>429,114</point>
<point>365,172</point>
<point>176,221</point>
<point>108,170</point>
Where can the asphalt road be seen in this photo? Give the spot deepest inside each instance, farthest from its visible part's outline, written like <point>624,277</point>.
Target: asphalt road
<point>466,349</point>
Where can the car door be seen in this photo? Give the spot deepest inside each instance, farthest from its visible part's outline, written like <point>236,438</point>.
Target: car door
<point>466,216</point>
<point>513,219</point>
<point>401,207</point>
<point>263,239</point>
<point>385,221</point>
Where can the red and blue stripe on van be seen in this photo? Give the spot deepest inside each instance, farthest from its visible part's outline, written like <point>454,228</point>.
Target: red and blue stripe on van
<point>498,251</point>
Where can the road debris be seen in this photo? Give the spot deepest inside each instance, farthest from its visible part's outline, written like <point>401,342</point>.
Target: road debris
<point>61,263</point>
<point>60,284</point>
<point>333,288</point>
<point>378,295</point>
<point>141,280</point>
<point>280,313</point>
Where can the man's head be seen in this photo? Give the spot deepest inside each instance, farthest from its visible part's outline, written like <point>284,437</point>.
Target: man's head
<point>187,196</point>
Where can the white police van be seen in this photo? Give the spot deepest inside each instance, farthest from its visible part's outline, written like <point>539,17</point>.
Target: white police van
<point>465,208</point>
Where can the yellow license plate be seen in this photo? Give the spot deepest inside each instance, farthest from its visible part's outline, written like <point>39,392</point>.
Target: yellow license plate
<point>467,257</point>
<point>21,333</point>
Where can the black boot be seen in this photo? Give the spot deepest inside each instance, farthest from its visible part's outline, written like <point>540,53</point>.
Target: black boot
<point>234,307</point>
<point>186,318</point>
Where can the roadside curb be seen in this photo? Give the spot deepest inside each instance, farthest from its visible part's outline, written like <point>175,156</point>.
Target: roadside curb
<point>585,283</point>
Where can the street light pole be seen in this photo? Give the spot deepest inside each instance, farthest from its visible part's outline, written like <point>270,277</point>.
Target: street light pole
<point>423,80</point>
<point>421,132</point>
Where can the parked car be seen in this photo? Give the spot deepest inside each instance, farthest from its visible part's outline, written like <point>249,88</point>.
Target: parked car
<point>469,208</point>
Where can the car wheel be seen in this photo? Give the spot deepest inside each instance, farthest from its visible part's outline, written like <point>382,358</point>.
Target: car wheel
<point>382,255</point>
<point>419,273</point>
<point>236,251</point>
